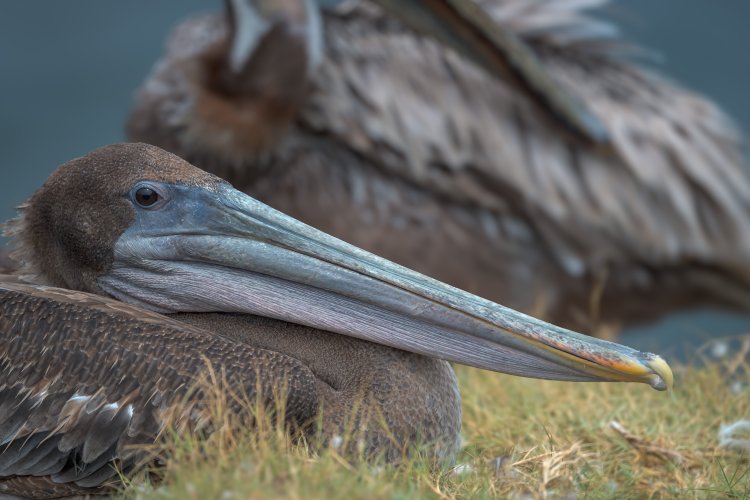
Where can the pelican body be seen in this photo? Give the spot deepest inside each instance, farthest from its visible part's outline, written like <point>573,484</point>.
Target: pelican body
<point>63,428</point>
<point>139,274</point>
<point>363,127</point>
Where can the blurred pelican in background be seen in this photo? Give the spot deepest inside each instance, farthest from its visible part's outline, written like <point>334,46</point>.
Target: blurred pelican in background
<point>535,165</point>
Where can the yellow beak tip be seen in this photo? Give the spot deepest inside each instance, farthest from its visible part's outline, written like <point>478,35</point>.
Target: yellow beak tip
<point>663,378</point>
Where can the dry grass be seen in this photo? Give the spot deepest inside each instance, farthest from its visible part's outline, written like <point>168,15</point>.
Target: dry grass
<point>522,439</point>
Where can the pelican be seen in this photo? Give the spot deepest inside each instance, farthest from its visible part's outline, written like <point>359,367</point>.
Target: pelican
<point>356,124</point>
<point>114,241</point>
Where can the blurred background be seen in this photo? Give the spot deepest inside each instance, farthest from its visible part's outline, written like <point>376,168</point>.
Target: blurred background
<point>69,71</point>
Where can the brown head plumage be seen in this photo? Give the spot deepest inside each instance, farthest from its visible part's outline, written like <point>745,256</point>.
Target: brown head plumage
<point>67,229</point>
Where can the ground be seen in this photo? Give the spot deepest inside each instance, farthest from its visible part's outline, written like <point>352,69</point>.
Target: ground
<point>522,438</point>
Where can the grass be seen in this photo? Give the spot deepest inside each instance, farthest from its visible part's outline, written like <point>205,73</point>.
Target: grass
<point>522,439</point>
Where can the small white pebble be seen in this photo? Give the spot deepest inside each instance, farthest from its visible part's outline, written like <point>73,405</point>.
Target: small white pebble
<point>719,350</point>
<point>376,471</point>
<point>735,444</point>
<point>730,429</point>
<point>337,441</point>
<point>729,435</point>
<point>462,469</point>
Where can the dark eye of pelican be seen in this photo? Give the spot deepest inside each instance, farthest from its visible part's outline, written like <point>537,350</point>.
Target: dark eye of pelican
<point>146,197</point>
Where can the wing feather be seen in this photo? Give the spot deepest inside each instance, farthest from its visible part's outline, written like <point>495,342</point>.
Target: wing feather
<point>421,113</point>
<point>82,378</point>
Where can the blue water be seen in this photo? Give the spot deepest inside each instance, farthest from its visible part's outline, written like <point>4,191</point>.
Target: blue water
<point>68,71</point>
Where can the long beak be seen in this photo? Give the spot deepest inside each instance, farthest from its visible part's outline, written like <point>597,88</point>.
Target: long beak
<point>466,28</point>
<point>224,251</point>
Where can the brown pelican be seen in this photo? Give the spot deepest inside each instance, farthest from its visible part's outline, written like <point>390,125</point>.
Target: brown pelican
<point>390,141</point>
<point>84,376</point>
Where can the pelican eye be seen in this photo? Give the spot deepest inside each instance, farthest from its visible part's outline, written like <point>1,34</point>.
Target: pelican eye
<point>146,196</point>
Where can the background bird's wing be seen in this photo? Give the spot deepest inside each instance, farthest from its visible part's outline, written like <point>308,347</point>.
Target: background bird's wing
<point>83,378</point>
<point>468,29</point>
<point>673,188</point>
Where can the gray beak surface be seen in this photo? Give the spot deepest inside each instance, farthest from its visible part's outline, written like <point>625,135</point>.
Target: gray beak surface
<point>221,250</point>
